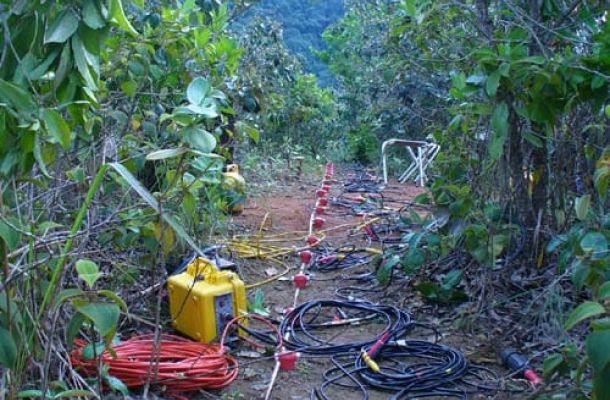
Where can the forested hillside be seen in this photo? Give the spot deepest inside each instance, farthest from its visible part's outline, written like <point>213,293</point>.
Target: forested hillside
<point>303,22</point>
<point>193,201</point>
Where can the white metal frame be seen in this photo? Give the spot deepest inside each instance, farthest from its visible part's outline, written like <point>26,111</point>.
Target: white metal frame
<point>422,154</point>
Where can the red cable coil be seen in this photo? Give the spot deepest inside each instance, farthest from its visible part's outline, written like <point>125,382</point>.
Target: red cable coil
<point>183,366</point>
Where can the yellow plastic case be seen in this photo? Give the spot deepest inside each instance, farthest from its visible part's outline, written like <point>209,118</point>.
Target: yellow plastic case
<point>203,299</point>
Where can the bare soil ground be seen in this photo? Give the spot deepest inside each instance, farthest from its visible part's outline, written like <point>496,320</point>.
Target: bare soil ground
<point>287,208</point>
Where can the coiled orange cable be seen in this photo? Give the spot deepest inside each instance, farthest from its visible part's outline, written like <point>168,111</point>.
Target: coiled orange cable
<point>183,365</point>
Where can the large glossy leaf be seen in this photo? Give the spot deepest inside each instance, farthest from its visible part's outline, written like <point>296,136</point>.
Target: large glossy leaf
<point>17,97</point>
<point>57,127</point>
<point>594,242</point>
<point>586,310</point>
<point>80,57</point>
<point>118,17</point>
<point>499,123</point>
<point>199,139</point>
<point>105,316</point>
<point>598,349</point>
<point>92,15</point>
<point>62,28</point>
<point>197,91</point>
<point>8,349</point>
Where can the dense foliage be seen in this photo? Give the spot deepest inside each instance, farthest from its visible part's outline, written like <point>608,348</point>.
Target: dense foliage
<point>115,118</point>
<point>303,22</point>
<point>516,94</point>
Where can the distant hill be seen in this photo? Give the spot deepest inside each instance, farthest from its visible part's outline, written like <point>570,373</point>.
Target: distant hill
<point>304,21</point>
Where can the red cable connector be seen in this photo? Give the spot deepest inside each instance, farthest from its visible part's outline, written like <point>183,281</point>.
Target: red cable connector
<point>288,360</point>
<point>318,222</point>
<point>322,202</point>
<point>300,280</point>
<point>320,210</point>
<point>321,193</point>
<point>305,256</point>
<point>313,240</point>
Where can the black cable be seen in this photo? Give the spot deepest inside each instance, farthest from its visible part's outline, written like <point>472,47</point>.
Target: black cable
<point>409,369</point>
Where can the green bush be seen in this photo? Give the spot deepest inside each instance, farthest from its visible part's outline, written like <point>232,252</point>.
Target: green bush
<point>363,145</point>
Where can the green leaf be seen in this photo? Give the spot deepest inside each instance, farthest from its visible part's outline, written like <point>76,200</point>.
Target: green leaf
<point>258,305</point>
<point>429,290</point>
<point>385,271</point>
<point>197,91</point>
<point>116,384</point>
<point>39,158</point>
<point>601,324</point>
<point>594,242</point>
<point>165,154</point>
<point>73,328</point>
<point>17,97</point>
<point>452,279</point>
<point>539,60</point>
<point>72,393</point>
<point>533,139</point>
<point>413,260</point>
<point>105,316</point>
<point>57,127</point>
<point>119,18</point>
<point>80,57</point>
<point>199,139</point>
<point>11,236</point>
<point>62,28</point>
<point>601,384</point>
<point>88,271</point>
<point>551,364</point>
<point>604,291</point>
<point>68,294</point>
<point>607,111</point>
<point>43,67</point>
<point>208,111</point>
<point>555,243</point>
<point>92,350</point>
<point>586,310</point>
<point>601,179</point>
<point>129,88</point>
<point>598,349</point>
<point>493,81</point>
<point>8,349</point>
<point>499,123</point>
<point>92,15</point>
<point>582,206</point>
<point>114,297</point>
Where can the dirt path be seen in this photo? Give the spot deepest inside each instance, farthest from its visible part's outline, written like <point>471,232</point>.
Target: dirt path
<point>287,209</point>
